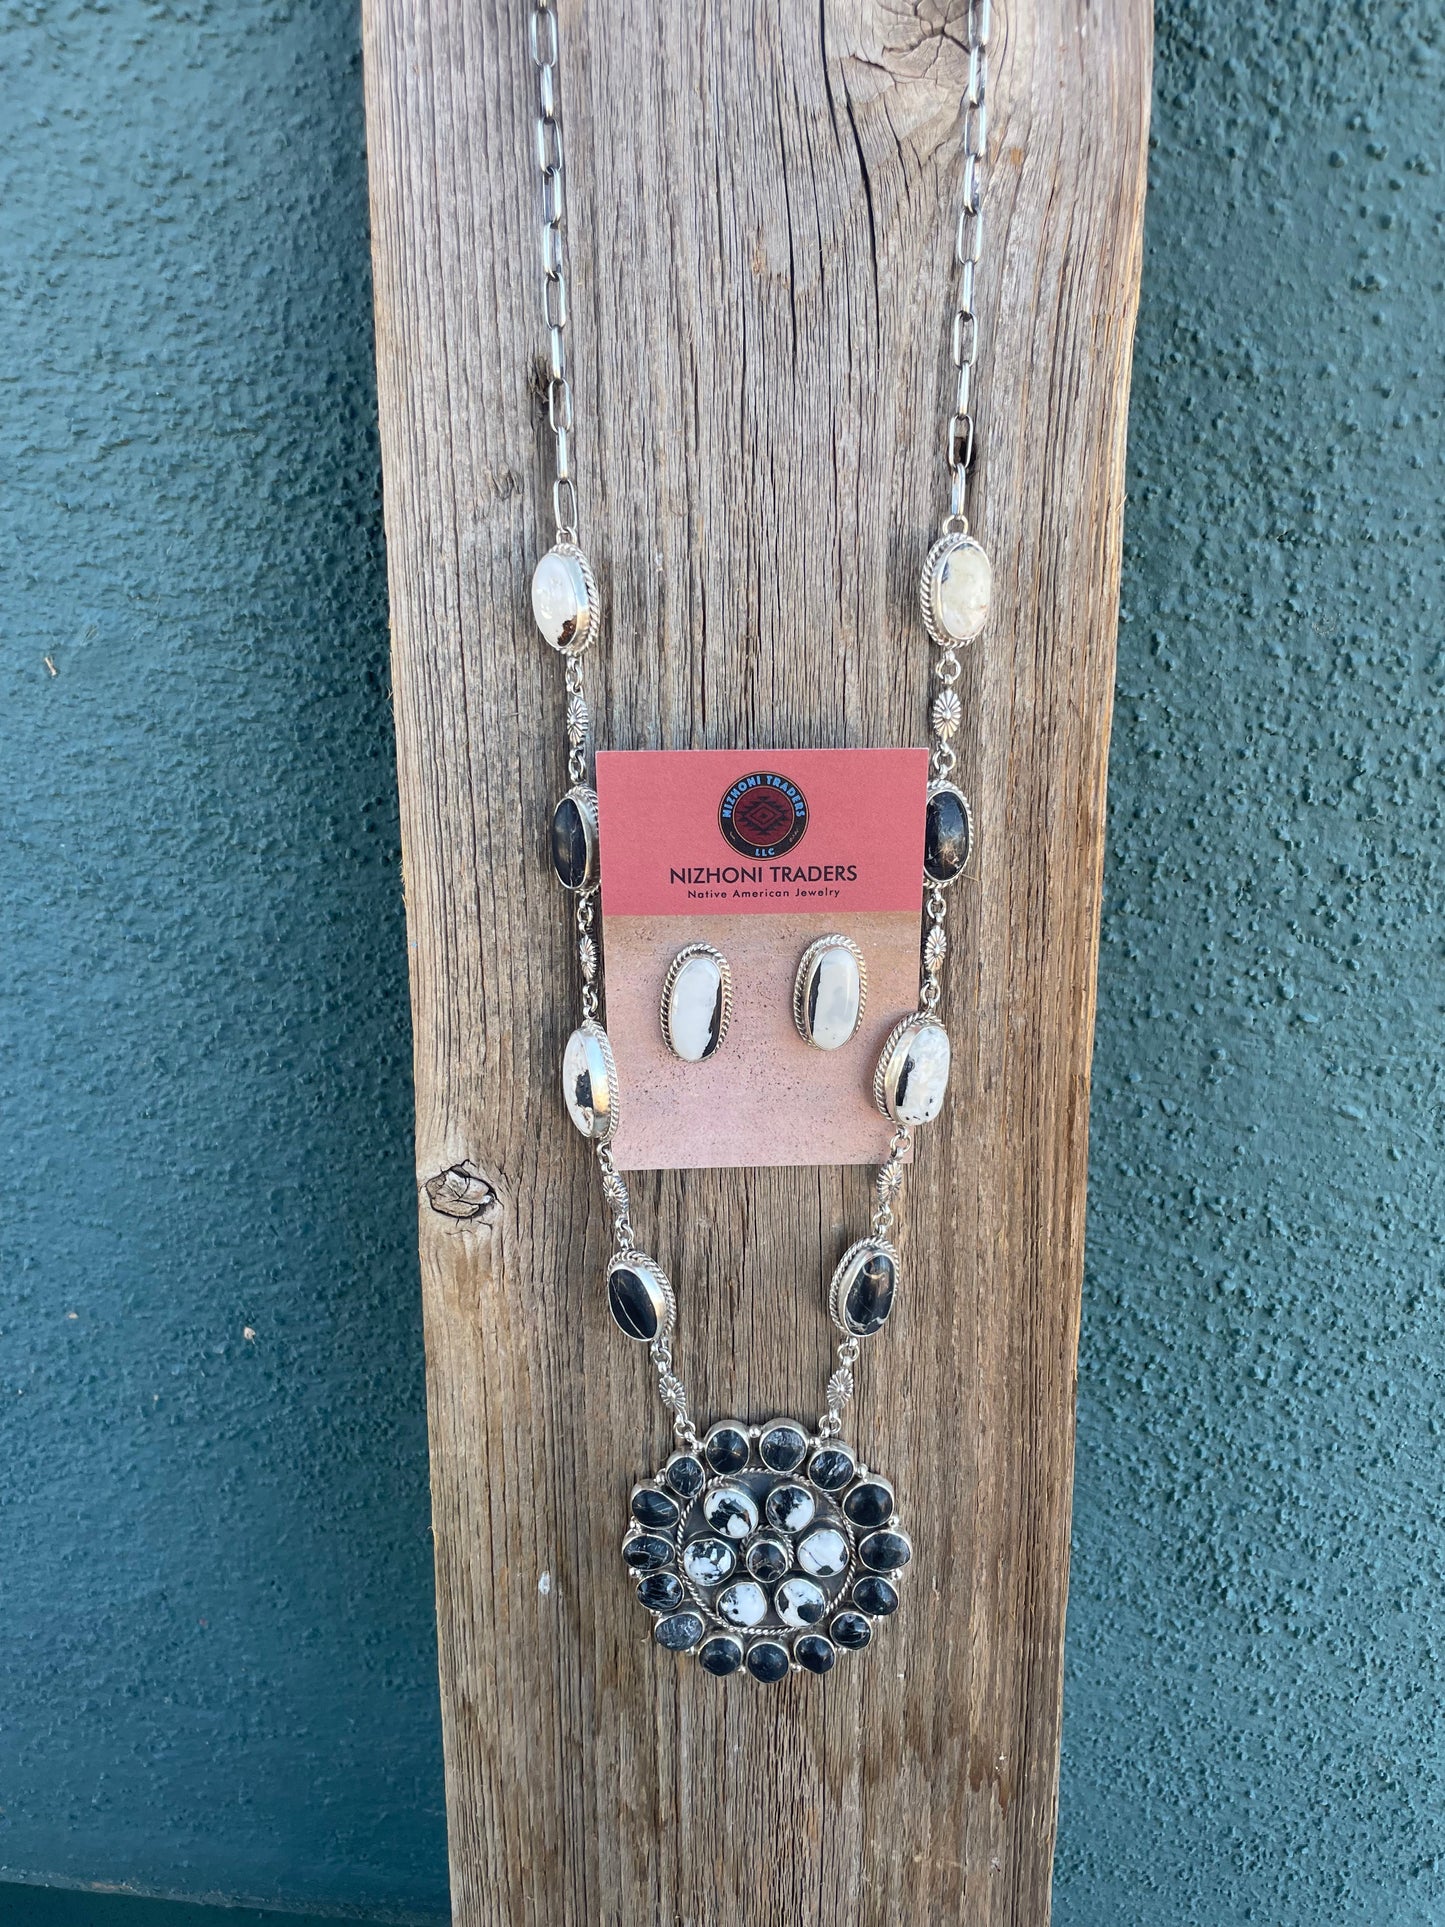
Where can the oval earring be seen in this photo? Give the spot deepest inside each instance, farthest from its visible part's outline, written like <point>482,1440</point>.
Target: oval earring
<point>697,1003</point>
<point>830,992</point>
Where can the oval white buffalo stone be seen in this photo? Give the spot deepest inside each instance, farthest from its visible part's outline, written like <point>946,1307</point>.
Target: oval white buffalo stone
<point>564,600</point>
<point>912,1076</point>
<point>639,1297</point>
<point>696,1004</point>
<point>589,1083</point>
<point>861,1294</point>
<point>829,994</point>
<point>960,587</point>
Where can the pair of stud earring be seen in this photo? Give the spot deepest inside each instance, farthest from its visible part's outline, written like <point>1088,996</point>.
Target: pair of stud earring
<point>830,990</point>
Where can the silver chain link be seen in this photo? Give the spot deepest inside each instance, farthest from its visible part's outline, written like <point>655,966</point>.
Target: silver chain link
<point>962,440</point>
<point>554,266</point>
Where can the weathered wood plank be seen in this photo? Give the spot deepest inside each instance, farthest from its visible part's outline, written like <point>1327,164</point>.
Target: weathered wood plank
<point>761,205</point>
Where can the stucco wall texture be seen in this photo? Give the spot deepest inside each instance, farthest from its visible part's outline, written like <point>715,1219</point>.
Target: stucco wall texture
<point>216,1648</point>
<point>217,1659</point>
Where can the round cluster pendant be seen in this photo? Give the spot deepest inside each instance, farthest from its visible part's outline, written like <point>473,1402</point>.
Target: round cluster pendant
<point>769,1550</point>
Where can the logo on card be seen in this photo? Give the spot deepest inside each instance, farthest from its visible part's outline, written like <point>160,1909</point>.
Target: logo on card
<point>763,814</point>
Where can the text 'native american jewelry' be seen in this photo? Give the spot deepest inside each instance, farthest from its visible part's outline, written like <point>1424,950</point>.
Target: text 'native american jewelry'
<point>770,1548</point>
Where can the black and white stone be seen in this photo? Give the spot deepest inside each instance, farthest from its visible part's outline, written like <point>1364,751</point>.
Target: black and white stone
<point>727,1446</point>
<point>648,1551</point>
<point>651,1506</point>
<point>876,1597</point>
<point>911,1081</point>
<point>565,603</point>
<point>769,1558</point>
<point>869,1504</point>
<point>589,1082</point>
<point>885,1551</point>
<point>574,839</point>
<point>768,1661</point>
<point>639,1297</point>
<point>679,1632</point>
<point>685,1474</point>
<point>721,1654</point>
<point>956,589</point>
<point>790,1507</point>
<point>861,1294</point>
<point>743,1603</point>
<point>697,1001</point>
<point>730,1510</point>
<point>800,1602</point>
<point>660,1592</point>
<point>832,1466</point>
<point>851,1630</point>
<point>830,993</point>
<point>824,1552</point>
<point>708,1561</point>
<point>947,833</point>
<point>814,1653</point>
<point>783,1447</point>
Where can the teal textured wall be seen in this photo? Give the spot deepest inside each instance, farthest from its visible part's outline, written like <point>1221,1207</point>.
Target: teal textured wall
<point>216,1648</point>
<point>217,1661</point>
<point>1253,1727</point>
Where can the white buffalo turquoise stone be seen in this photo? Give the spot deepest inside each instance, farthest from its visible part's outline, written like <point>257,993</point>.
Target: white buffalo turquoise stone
<point>912,1075</point>
<point>589,1083</point>
<point>960,589</point>
<point>730,1511</point>
<point>707,1562</point>
<point>828,1002</point>
<point>790,1507</point>
<point>694,1017</point>
<point>743,1604</point>
<point>561,601</point>
<point>800,1602</point>
<point>824,1553</point>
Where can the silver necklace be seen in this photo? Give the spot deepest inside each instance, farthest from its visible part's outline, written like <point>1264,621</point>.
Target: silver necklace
<point>764,1548</point>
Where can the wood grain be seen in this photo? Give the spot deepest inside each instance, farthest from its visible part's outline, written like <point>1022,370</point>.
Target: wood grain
<point>761,198</point>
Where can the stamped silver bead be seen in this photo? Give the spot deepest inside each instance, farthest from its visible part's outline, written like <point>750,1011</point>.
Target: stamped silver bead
<point>564,599</point>
<point>640,1297</point>
<point>861,1294</point>
<point>589,1082</point>
<point>955,590</point>
<point>697,1003</point>
<point>830,991</point>
<point>912,1075</point>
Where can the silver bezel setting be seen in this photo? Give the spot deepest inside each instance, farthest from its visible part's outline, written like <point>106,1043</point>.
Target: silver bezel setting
<point>800,987</point>
<point>759,1480</point>
<point>592,1030</point>
<point>669,984</point>
<point>885,1078</point>
<point>586,631</point>
<point>586,800</point>
<point>840,1279</point>
<point>937,789</point>
<point>631,1259</point>
<point>945,546</point>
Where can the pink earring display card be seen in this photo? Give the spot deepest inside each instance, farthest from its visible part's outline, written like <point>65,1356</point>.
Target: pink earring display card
<point>758,853</point>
